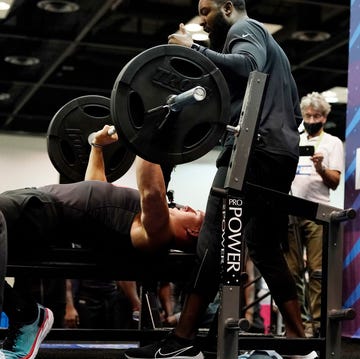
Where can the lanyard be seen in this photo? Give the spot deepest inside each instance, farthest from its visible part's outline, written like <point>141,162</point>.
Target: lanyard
<point>318,140</point>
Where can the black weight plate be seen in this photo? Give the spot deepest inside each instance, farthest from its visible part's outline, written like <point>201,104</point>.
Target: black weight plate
<point>67,139</point>
<point>146,82</point>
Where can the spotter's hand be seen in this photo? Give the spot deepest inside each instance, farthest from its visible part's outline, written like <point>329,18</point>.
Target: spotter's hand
<point>182,37</point>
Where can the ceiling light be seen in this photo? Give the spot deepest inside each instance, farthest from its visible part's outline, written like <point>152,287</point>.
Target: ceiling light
<point>4,96</point>
<point>330,96</point>
<point>193,27</point>
<point>310,35</point>
<point>5,6</point>
<point>22,60</point>
<point>200,36</point>
<point>196,30</point>
<point>59,6</point>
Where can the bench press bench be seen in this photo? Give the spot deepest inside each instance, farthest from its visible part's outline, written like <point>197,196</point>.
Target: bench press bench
<point>61,262</point>
<point>86,263</point>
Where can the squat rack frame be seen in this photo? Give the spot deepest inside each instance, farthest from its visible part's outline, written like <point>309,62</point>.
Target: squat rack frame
<point>233,247</point>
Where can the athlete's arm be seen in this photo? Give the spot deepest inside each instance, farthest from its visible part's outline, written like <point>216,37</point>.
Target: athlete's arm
<point>155,218</point>
<point>96,166</point>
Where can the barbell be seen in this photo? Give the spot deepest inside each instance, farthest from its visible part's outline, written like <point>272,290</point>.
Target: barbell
<point>169,105</point>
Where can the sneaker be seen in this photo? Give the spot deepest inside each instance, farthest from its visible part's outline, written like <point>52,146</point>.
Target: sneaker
<point>260,354</point>
<point>170,347</point>
<point>23,340</point>
<point>7,355</point>
<point>311,355</point>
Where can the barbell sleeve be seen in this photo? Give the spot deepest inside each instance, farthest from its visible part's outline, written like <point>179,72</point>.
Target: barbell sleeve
<point>91,138</point>
<point>111,130</point>
<point>177,102</point>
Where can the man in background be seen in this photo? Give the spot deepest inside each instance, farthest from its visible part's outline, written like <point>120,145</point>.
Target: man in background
<point>316,175</point>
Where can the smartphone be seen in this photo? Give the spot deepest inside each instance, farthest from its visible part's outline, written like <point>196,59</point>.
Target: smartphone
<point>306,150</point>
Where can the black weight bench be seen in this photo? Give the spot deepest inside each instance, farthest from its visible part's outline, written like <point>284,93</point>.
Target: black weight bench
<point>57,262</point>
<point>86,263</point>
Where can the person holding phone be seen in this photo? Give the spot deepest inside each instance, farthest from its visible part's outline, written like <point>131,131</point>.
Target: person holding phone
<point>319,168</point>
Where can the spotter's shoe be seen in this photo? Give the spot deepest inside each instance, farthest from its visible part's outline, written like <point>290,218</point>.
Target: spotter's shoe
<point>172,347</point>
<point>24,339</point>
<point>311,355</point>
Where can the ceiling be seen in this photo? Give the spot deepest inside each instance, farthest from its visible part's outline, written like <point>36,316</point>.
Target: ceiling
<point>81,53</point>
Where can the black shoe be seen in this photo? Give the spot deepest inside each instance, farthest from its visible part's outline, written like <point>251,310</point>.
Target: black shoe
<point>170,347</point>
<point>311,355</point>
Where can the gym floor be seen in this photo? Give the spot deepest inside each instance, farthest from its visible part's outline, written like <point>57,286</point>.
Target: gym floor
<point>350,349</point>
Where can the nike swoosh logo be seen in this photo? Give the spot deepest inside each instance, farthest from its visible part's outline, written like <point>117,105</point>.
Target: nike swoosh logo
<point>245,35</point>
<point>158,354</point>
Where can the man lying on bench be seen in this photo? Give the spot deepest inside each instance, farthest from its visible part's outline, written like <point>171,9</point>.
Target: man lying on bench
<point>90,211</point>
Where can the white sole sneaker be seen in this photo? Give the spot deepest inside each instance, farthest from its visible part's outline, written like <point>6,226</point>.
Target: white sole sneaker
<point>311,355</point>
<point>47,325</point>
<point>43,332</point>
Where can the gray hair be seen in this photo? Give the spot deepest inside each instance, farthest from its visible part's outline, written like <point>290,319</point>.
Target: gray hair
<point>317,101</point>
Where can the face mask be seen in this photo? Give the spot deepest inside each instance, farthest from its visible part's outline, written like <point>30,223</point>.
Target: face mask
<point>313,128</point>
